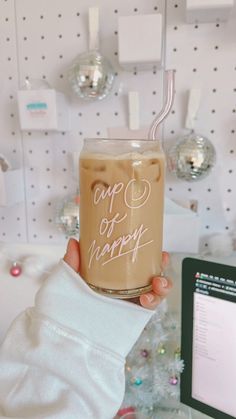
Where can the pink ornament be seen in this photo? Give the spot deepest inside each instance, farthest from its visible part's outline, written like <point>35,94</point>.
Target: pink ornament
<point>173,380</point>
<point>144,353</point>
<point>125,410</point>
<point>15,269</point>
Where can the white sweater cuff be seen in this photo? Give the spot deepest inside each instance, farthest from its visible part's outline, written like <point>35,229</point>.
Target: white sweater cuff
<point>110,323</point>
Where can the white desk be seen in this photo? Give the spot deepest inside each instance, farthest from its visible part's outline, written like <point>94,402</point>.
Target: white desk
<point>17,293</point>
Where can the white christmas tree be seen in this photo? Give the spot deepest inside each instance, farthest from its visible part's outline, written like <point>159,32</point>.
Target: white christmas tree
<point>153,367</point>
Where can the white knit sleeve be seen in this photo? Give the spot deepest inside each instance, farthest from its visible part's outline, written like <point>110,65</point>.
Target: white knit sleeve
<point>64,358</point>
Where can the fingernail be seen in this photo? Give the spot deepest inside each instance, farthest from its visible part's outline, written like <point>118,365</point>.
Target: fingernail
<point>149,297</point>
<point>164,282</point>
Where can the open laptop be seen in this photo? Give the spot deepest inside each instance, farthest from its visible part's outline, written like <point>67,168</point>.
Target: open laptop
<point>208,344</point>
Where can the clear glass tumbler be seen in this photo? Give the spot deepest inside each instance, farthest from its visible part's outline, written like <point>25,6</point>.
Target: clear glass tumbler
<point>121,214</point>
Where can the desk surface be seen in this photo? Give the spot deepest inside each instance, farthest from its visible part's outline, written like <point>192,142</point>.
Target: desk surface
<point>17,293</point>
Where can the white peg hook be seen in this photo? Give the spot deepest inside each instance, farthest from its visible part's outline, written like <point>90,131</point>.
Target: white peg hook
<point>193,107</point>
<point>93,28</point>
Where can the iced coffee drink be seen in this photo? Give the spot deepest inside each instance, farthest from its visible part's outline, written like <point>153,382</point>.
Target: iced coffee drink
<point>121,215</point>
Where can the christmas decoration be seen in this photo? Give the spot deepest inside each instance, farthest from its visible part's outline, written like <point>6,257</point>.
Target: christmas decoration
<point>161,349</point>
<point>67,218</point>
<point>192,158</point>
<point>174,380</point>
<point>32,266</point>
<point>144,353</point>
<point>15,269</point>
<point>91,75</point>
<point>153,367</point>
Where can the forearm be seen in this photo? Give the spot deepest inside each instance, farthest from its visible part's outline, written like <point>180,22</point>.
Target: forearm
<point>65,356</point>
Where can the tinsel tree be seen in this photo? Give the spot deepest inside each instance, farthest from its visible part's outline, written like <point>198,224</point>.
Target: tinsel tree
<point>153,367</point>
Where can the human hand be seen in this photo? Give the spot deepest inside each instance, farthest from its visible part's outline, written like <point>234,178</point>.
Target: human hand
<point>161,285</point>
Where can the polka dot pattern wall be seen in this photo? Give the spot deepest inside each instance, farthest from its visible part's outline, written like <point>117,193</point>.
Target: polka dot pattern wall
<point>203,55</point>
<point>39,40</point>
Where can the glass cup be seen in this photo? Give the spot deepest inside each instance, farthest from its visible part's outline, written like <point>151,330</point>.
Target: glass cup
<point>121,215</point>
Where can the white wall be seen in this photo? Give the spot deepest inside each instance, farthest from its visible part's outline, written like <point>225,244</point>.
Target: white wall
<point>40,40</point>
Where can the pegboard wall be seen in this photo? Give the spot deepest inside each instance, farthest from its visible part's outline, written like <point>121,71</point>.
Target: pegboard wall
<point>39,40</point>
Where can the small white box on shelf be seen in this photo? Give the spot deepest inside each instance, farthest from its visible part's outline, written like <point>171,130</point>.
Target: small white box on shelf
<point>43,109</point>
<point>11,187</point>
<point>140,41</point>
<point>208,10</point>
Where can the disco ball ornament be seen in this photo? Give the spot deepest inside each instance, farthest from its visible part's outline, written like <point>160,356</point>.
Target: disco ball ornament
<point>192,158</point>
<point>91,76</point>
<point>67,218</point>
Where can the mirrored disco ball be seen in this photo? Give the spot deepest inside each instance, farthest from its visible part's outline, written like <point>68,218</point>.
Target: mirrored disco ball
<point>191,158</point>
<point>67,216</point>
<point>91,76</point>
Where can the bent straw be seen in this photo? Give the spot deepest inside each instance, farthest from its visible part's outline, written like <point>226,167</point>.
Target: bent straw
<point>169,99</point>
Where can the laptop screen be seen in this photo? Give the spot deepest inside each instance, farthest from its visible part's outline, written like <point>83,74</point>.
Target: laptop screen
<point>208,382</point>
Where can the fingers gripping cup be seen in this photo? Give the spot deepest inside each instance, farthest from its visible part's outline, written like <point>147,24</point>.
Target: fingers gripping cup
<point>121,211</point>
<point>121,214</point>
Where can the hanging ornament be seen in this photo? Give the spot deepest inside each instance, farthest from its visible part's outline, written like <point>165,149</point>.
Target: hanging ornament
<point>137,381</point>
<point>32,266</point>
<point>160,372</point>
<point>193,157</point>
<point>91,75</point>
<point>177,353</point>
<point>173,380</point>
<point>15,269</point>
<point>144,353</point>
<point>161,350</point>
<point>67,218</point>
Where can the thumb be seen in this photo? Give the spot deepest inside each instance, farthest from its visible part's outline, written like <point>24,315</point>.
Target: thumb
<point>72,257</point>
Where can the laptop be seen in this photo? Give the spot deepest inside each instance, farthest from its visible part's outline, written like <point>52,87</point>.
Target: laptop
<point>208,342</point>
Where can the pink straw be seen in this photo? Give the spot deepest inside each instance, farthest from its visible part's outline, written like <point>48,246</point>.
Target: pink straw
<point>169,99</point>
